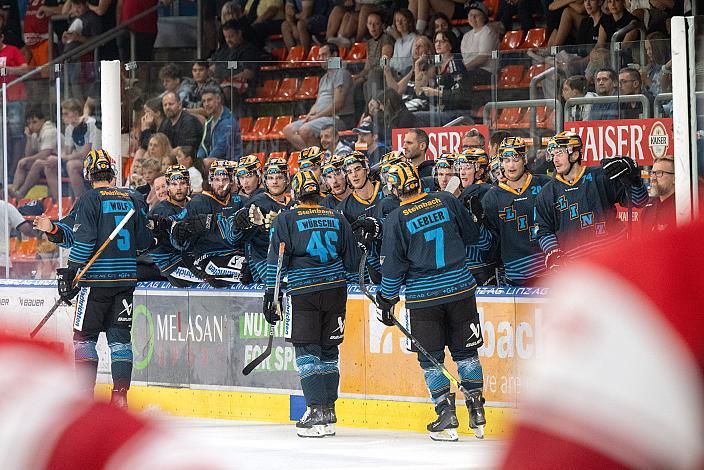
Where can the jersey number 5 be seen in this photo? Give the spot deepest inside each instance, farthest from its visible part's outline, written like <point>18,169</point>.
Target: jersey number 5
<point>439,236</point>
<point>321,244</point>
<point>123,241</point>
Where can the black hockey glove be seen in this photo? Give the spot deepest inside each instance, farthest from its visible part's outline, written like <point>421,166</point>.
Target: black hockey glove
<point>369,227</point>
<point>246,277</point>
<point>269,307</point>
<point>191,227</point>
<point>622,167</point>
<point>160,227</point>
<point>242,219</point>
<point>474,206</point>
<point>64,278</point>
<point>554,259</point>
<point>386,309</point>
<point>159,224</point>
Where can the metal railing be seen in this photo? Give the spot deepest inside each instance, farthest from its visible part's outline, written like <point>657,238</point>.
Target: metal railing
<point>90,46</point>
<point>572,102</point>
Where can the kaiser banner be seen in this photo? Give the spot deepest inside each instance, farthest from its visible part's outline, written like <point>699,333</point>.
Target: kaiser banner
<point>641,139</point>
<point>442,139</point>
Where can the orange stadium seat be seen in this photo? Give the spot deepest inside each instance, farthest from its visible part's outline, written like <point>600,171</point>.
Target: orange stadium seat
<point>287,90</point>
<point>511,40</point>
<point>277,155</point>
<point>533,70</point>
<point>511,76</point>
<point>309,88</point>
<point>357,53</point>
<point>277,130</point>
<point>295,54</point>
<point>246,124</point>
<point>541,116</point>
<point>311,58</point>
<point>265,93</point>
<point>535,38</point>
<point>509,117</point>
<point>260,129</point>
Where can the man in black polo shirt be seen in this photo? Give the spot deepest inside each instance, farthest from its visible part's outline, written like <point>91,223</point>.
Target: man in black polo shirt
<point>182,129</point>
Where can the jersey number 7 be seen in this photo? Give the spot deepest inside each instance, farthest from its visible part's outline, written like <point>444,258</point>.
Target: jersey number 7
<point>439,236</point>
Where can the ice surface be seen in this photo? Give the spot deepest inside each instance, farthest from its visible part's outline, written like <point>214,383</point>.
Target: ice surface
<point>256,445</point>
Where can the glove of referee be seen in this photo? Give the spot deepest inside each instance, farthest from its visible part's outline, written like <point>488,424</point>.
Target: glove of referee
<point>554,259</point>
<point>622,167</point>
<point>386,309</point>
<point>269,307</point>
<point>64,279</point>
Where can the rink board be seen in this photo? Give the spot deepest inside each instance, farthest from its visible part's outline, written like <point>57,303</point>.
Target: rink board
<point>190,346</point>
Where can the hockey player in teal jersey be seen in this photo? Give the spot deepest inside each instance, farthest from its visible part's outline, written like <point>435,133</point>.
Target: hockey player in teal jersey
<point>249,176</point>
<point>365,192</point>
<point>333,173</point>
<point>169,259</point>
<point>576,211</point>
<point>256,218</point>
<point>509,212</point>
<point>105,291</point>
<point>217,249</point>
<point>320,250</point>
<point>424,248</point>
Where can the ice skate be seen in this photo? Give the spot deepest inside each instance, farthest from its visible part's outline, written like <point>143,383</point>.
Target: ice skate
<point>119,398</point>
<point>475,406</point>
<point>444,428</point>
<point>330,419</point>
<point>312,424</point>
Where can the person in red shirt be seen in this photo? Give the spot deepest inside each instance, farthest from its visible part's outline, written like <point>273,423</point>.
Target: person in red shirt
<point>12,59</point>
<point>145,29</point>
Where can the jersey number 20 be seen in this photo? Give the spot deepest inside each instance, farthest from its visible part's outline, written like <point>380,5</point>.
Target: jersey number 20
<point>321,244</point>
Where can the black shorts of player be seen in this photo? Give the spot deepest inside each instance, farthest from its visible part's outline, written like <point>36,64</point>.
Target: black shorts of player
<point>317,318</point>
<point>100,308</point>
<point>454,324</point>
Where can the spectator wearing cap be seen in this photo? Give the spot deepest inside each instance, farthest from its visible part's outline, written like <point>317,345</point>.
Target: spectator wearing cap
<point>368,142</point>
<point>333,106</point>
<point>222,139</point>
<point>331,143</point>
<point>478,44</point>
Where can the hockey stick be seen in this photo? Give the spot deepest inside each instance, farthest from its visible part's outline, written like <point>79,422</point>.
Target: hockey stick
<point>407,333</point>
<point>82,272</point>
<point>277,288</point>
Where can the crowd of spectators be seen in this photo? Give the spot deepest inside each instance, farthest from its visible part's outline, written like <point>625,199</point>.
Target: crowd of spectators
<point>426,62</point>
